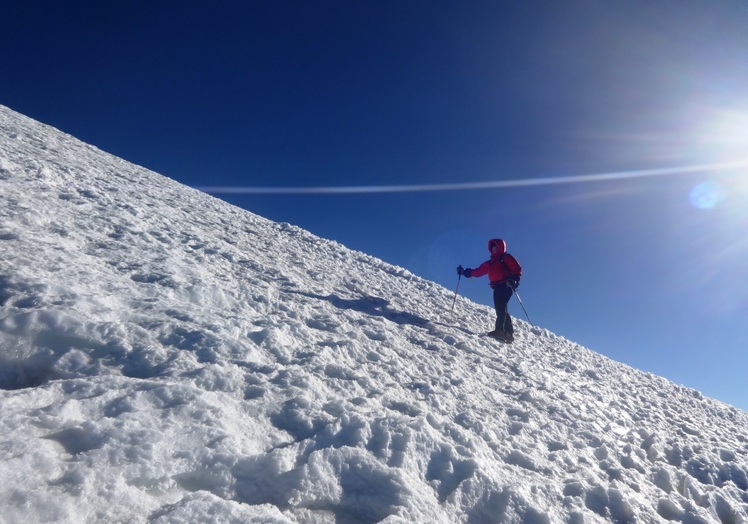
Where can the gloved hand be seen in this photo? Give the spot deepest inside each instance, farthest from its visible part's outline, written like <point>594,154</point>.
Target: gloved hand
<point>466,272</point>
<point>513,283</point>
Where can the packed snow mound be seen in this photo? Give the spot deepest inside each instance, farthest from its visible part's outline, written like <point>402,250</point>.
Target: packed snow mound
<point>166,357</point>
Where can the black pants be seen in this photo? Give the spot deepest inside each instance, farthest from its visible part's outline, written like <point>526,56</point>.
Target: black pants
<point>501,295</point>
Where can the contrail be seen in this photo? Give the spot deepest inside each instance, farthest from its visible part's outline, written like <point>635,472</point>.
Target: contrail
<point>466,186</point>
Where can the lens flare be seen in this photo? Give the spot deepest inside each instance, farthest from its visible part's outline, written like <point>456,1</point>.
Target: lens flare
<point>707,195</point>
<point>497,184</point>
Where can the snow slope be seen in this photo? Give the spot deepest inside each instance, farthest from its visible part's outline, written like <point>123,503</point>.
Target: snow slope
<point>166,357</point>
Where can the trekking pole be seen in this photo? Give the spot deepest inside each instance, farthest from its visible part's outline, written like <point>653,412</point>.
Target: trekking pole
<point>456,290</point>
<point>523,307</point>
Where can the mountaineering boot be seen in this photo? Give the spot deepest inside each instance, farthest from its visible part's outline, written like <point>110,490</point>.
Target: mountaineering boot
<point>501,335</point>
<point>497,333</point>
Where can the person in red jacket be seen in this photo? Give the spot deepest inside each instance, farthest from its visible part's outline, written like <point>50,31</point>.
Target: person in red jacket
<point>504,273</point>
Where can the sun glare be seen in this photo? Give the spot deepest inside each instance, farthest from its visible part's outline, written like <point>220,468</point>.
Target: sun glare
<point>724,136</point>
<point>727,134</point>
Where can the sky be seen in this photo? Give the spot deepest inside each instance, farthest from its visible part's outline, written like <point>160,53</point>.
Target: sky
<point>527,101</point>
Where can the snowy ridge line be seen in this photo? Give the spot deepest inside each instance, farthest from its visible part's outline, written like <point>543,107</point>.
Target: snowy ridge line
<point>166,357</point>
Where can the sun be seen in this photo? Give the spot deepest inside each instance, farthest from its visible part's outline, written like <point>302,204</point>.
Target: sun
<point>725,133</point>
<point>723,139</point>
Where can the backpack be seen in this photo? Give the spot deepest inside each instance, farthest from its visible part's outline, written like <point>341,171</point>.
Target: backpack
<point>511,264</point>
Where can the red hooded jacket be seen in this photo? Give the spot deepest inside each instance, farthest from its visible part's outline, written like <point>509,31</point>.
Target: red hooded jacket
<point>501,267</point>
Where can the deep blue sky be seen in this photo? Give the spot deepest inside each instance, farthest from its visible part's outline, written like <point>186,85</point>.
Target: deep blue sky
<point>649,271</point>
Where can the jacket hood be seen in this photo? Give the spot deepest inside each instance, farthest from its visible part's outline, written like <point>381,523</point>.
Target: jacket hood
<point>498,243</point>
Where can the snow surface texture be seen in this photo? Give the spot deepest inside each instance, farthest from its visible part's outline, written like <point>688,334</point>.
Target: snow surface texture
<point>166,357</point>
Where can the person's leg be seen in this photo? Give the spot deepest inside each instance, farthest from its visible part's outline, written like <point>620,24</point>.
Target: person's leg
<point>501,296</point>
